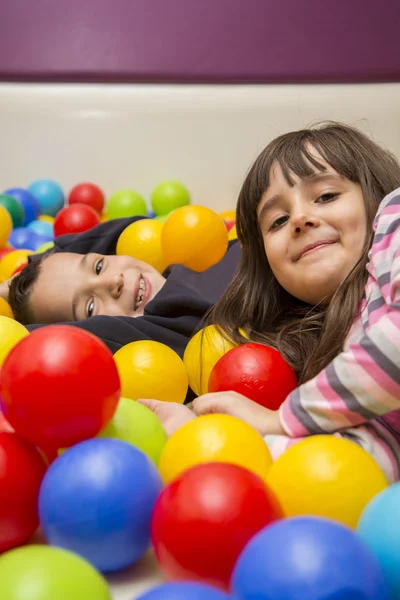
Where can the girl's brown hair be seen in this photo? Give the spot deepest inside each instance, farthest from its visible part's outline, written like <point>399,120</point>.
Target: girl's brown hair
<point>308,337</point>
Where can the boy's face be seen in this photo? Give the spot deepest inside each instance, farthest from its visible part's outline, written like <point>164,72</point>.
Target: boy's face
<point>71,287</point>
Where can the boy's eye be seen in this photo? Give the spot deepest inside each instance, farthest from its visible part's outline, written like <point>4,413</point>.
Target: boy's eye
<point>99,266</point>
<point>89,309</point>
<point>278,222</point>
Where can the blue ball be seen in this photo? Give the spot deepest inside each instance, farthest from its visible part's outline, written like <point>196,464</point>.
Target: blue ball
<point>39,240</point>
<point>97,500</point>
<point>151,214</point>
<point>184,591</point>
<point>379,528</point>
<point>28,202</point>
<point>49,195</point>
<point>42,228</point>
<point>22,237</point>
<point>308,557</point>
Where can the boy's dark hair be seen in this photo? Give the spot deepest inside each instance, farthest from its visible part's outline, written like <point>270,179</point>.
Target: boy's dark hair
<point>21,287</point>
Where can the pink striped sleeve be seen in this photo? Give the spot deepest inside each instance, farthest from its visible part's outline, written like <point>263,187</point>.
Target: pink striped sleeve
<point>362,382</point>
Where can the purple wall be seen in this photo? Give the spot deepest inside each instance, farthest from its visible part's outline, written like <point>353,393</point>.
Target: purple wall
<point>200,40</point>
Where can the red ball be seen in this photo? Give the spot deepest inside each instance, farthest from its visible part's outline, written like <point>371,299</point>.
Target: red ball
<point>59,385</point>
<point>21,473</point>
<point>89,194</point>
<point>203,519</point>
<point>5,251</point>
<point>75,219</point>
<point>255,371</point>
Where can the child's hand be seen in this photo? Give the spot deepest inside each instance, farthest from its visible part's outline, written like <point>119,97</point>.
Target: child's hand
<point>262,419</point>
<point>171,414</point>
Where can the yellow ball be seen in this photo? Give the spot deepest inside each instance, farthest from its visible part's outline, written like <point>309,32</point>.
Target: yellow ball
<point>203,351</point>
<point>228,215</point>
<point>6,226</point>
<point>46,219</point>
<point>151,370</point>
<point>326,476</point>
<point>103,217</point>
<point>11,261</point>
<point>5,309</point>
<point>214,438</point>
<point>194,236</point>
<point>232,235</point>
<point>11,332</point>
<point>142,240</point>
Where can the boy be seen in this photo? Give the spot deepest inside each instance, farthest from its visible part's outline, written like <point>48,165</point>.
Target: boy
<point>127,300</point>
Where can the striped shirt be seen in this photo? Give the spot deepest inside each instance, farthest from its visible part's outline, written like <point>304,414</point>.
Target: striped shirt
<point>357,395</point>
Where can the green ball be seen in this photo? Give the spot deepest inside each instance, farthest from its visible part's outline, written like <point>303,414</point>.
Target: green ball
<point>163,218</point>
<point>139,426</point>
<point>168,196</point>
<point>46,573</point>
<point>126,203</point>
<point>44,247</point>
<point>14,208</point>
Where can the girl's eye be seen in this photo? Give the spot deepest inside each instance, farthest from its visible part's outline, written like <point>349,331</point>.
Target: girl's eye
<point>99,266</point>
<point>278,223</point>
<point>328,197</point>
<point>90,309</point>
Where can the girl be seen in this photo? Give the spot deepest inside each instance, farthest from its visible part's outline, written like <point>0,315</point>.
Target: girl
<point>319,280</point>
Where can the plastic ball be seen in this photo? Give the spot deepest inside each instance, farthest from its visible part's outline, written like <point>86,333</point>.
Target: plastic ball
<point>379,528</point>
<point>44,247</point>
<point>89,194</point>
<point>203,351</point>
<point>41,228</point>
<point>232,235</point>
<point>40,240</point>
<point>14,208</point>
<point>151,214</point>
<point>75,219</point>
<point>6,250</point>
<point>168,196</point>
<point>21,472</point>
<point>28,202</point>
<point>149,369</point>
<point>229,217</point>
<point>49,195</point>
<point>5,309</point>
<point>255,371</point>
<point>22,238</point>
<point>194,236</point>
<point>6,225</point>
<point>44,573</point>
<point>103,217</point>
<point>11,332</point>
<point>326,476</point>
<point>304,558</point>
<point>139,426</point>
<point>142,240</point>
<point>126,203</point>
<point>46,219</point>
<point>214,438</point>
<point>11,262</point>
<point>220,502</point>
<point>183,590</point>
<point>60,385</point>
<point>97,500</point>
<point>5,425</point>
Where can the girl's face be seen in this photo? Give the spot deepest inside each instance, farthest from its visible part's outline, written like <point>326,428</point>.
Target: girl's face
<point>313,232</point>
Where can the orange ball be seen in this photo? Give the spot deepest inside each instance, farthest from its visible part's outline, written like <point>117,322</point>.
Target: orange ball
<point>194,236</point>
